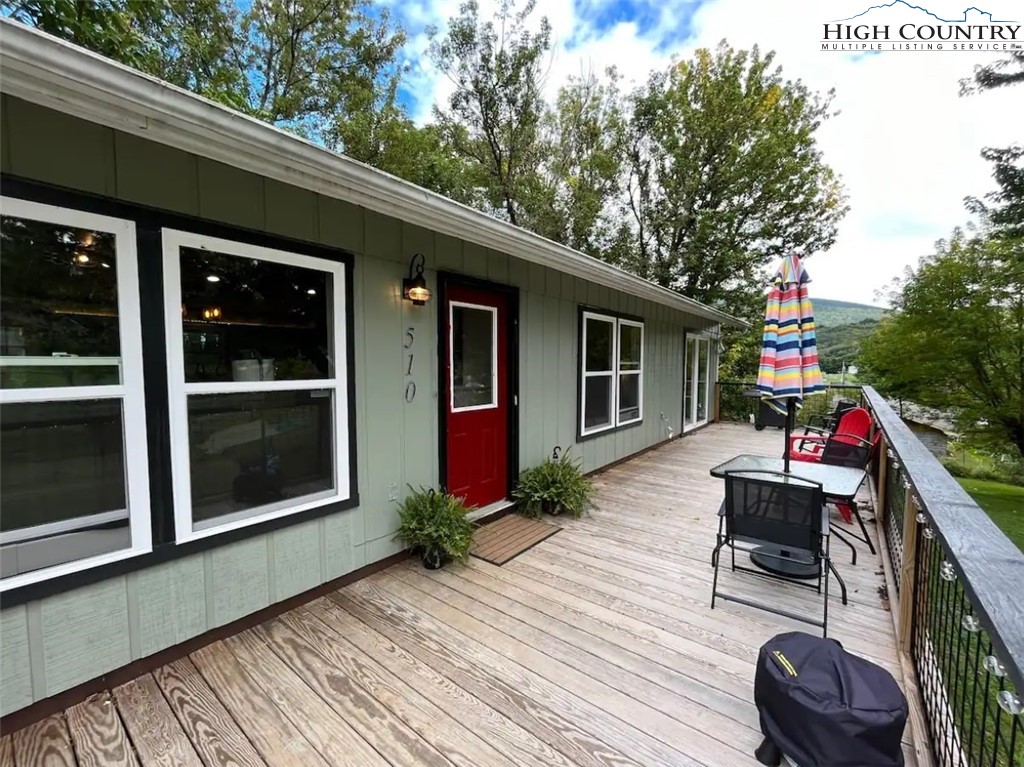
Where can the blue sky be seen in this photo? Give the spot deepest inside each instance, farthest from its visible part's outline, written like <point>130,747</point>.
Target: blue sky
<point>904,142</point>
<point>665,26</point>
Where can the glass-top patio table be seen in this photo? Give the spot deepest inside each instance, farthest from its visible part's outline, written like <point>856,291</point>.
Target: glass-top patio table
<point>837,483</point>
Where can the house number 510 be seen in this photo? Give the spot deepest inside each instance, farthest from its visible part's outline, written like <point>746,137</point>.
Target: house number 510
<point>410,386</point>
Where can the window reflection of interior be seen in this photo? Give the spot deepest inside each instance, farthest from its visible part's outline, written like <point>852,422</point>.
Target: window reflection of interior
<point>248,319</point>
<point>473,356</point>
<point>58,305</point>
<point>599,372</point>
<point>257,411</point>
<point>257,450</point>
<point>71,403</point>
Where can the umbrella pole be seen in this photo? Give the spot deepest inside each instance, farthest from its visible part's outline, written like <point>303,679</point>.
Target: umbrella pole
<point>790,418</point>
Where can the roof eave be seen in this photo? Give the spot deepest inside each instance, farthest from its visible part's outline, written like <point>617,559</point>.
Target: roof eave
<point>51,72</point>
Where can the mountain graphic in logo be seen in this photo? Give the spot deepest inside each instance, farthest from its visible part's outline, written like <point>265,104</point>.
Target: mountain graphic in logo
<point>897,3</point>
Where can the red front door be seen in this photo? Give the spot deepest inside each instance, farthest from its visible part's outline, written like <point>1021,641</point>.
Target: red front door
<point>477,394</point>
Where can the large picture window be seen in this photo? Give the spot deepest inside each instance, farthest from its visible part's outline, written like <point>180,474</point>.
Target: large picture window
<point>71,394</point>
<point>257,380</point>
<point>611,372</point>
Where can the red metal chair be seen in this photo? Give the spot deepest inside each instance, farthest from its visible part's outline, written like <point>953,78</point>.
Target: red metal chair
<point>853,431</point>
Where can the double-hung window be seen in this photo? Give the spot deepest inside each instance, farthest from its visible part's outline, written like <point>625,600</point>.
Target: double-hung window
<point>611,372</point>
<point>257,382</point>
<point>74,485</point>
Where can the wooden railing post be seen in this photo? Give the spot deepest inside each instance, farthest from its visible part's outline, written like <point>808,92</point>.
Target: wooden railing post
<point>717,411</point>
<point>907,571</point>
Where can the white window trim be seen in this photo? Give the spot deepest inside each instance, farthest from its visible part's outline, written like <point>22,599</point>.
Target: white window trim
<point>178,390</point>
<point>613,373</point>
<point>640,373</point>
<point>493,310</point>
<point>130,391</point>
<point>694,373</point>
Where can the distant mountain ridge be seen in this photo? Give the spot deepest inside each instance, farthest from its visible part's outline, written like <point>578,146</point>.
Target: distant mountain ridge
<point>905,4</point>
<point>830,313</point>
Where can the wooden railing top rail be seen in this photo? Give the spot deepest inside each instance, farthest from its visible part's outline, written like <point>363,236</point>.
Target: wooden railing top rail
<point>988,564</point>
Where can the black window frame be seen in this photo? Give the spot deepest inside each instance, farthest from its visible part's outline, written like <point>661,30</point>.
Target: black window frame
<point>149,245</point>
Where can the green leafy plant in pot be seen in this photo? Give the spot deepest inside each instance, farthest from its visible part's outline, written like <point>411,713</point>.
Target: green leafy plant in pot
<point>434,525</point>
<point>556,486</point>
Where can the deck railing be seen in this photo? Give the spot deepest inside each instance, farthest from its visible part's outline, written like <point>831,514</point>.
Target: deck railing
<point>732,405</point>
<point>959,598</point>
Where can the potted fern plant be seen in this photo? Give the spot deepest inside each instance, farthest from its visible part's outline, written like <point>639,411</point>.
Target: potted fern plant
<point>555,486</point>
<point>434,525</point>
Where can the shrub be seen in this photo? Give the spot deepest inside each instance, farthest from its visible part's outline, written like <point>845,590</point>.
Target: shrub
<point>434,525</point>
<point>555,486</point>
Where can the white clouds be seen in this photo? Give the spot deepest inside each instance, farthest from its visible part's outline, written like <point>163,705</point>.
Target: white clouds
<point>906,144</point>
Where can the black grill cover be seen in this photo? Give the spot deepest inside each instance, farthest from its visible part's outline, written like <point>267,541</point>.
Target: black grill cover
<point>824,707</point>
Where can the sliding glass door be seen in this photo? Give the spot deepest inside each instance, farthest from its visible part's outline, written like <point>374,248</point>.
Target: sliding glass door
<point>697,382</point>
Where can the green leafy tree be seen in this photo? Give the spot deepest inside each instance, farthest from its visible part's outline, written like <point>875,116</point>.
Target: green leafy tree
<point>725,176</point>
<point>573,196</point>
<point>113,28</point>
<point>421,155</point>
<point>493,116</point>
<point>956,338</point>
<point>996,74</point>
<point>1003,209</point>
<point>327,69</point>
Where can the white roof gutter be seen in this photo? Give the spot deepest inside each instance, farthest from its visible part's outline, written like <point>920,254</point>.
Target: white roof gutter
<point>44,70</point>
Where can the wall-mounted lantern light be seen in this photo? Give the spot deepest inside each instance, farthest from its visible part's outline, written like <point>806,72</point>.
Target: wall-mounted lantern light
<point>414,287</point>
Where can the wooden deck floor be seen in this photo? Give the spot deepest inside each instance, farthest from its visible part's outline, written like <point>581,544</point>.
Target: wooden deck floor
<point>596,647</point>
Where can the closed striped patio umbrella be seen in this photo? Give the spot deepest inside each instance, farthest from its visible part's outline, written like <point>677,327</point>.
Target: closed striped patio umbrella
<point>789,368</point>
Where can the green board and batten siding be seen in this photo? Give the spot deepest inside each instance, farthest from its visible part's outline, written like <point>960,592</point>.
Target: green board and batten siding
<point>56,643</point>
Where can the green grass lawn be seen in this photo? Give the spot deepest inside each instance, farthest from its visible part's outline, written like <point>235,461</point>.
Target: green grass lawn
<point>1004,503</point>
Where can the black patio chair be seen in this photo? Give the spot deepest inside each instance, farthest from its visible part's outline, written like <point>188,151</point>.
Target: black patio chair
<point>827,422</point>
<point>824,424</point>
<point>785,519</point>
<point>857,454</point>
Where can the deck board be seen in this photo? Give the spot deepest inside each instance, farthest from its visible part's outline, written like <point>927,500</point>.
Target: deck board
<point>278,741</point>
<point>629,730</point>
<point>341,688</point>
<point>337,741</point>
<point>215,736</point>
<point>522,746</point>
<point>596,647</point>
<point>45,743</point>
<point>157,736</point>
<point>459,745</point>
<point>98,735</point>
<point>475,670</point>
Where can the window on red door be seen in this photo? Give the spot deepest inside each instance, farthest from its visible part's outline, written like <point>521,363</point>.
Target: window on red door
<point>477,395</point>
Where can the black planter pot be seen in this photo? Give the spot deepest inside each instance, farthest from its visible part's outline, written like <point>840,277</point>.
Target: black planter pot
<point>550,507</point>
<point>434,559</point>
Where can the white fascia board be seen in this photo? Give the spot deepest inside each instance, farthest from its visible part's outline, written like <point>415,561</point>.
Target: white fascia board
<point>50,72</point>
